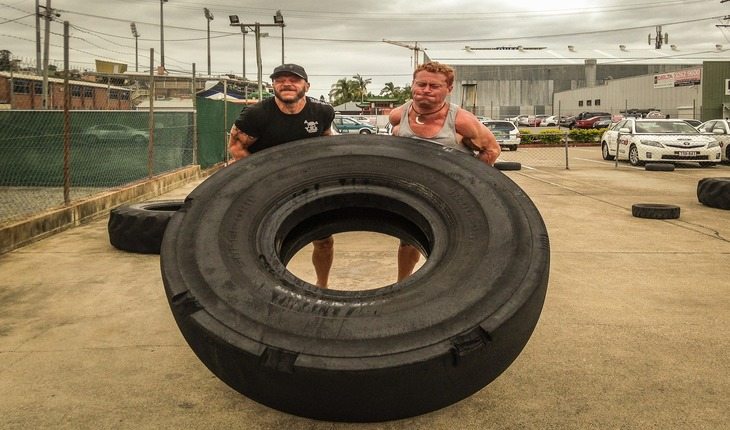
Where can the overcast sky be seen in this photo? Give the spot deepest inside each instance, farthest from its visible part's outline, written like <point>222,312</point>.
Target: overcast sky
<point>338,39</point>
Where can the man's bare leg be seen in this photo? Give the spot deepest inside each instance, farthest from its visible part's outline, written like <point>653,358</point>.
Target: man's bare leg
<point>408,257</point>
<point>322,257</point>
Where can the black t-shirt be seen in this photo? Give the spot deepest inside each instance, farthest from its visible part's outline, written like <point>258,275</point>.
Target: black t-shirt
<point>266,122</point>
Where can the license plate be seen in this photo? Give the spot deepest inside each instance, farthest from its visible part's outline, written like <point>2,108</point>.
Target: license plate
<point>687,153</point>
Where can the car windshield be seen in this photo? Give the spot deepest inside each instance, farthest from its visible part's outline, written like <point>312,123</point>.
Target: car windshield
<point>658,127</point>
<point>499,127</point>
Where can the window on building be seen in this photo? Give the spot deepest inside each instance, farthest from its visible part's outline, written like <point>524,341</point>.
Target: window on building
<point>124,95</point>
<point>114,94</point>
<point>580,103</point>
<point>37,87</point>
<point>21,86</point>
<point>88,92</point>
<point>75,91</point>
<point>597,102</point>
<point>469,96</point>
<point>588,102</point>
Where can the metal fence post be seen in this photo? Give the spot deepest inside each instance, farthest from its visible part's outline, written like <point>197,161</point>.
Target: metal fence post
<point>567,166</point>
<point>618,140</point>
<point>66,121</point>
<point>225,121</point>
<point>151,123</point>
<point>195,120</point>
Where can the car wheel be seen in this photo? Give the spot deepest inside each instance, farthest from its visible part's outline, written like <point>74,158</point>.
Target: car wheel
<point>140,227</point>
<point>655,211</point>
<point>634,156</point>
<point>513,148</point>
<point>604,152</point>
<point>714,192</point>
<point>364,131</point>
<point>371,355</point>
<point>727,154</point>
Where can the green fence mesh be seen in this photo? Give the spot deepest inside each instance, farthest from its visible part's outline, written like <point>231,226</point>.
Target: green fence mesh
<point>214,123</point>
<point>107,149</point>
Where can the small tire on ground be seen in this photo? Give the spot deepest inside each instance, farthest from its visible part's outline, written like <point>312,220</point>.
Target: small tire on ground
<point>507,165</point>
<point>140,227</point>
<point>378,354</point>
<point>659,167</point>
<point>655,211</point>
<point>714,192</point>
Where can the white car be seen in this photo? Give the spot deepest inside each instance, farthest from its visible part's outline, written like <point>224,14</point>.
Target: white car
<point>658,140</point>
<point>507,134</point>
<point>552,120</point>
<point>720,129</point>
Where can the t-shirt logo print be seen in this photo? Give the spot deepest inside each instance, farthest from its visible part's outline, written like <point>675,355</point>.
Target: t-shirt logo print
<point>311,126</point>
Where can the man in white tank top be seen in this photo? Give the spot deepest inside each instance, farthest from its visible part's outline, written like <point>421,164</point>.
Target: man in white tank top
<point>429,116</point>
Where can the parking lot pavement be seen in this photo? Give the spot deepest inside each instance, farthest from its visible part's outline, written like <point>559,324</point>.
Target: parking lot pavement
<point>633,333</point>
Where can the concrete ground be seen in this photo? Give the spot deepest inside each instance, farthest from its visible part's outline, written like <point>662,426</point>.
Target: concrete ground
<point>633,334</point>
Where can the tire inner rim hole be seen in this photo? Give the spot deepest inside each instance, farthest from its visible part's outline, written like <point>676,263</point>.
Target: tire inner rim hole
<point>366,241</point>
<point>362,260</point>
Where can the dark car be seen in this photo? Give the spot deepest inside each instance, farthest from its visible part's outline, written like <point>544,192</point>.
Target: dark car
<point>588,122</point>
<point>104,132</point>
<point>582,116</point>
<point>603,122</point>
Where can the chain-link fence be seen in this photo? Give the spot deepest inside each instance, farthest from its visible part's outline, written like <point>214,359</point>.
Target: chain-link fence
<point>42,166</point>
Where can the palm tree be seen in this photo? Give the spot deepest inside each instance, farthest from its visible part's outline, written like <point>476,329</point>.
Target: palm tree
<point>390,90</point>
<point>341,92</point>
<point>361,86</point>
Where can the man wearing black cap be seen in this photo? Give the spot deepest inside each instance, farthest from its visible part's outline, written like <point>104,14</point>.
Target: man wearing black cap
<point>289,115</point>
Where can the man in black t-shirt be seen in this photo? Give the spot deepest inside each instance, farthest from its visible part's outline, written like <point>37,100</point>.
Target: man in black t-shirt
<point>289,115</point>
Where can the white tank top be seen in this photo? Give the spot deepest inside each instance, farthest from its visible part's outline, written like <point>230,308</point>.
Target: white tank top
<point>446,136</point>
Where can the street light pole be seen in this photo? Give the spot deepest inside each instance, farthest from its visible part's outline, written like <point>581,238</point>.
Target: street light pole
<point>243,37</point>
<point>133,26</point>
<point>208,18</point>
<point>279,20</point>
<point>162,36</point>
<point>256,28</point>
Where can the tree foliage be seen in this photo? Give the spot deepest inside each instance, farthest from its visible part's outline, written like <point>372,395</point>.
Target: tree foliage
<point>391,91</point>
<point>355,89</point>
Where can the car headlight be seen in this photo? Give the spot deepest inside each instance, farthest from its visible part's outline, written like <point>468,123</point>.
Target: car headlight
<point>713,144</point>
<point>652,143</point>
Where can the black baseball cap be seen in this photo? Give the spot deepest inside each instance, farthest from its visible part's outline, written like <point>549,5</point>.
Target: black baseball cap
<point>293,69</point>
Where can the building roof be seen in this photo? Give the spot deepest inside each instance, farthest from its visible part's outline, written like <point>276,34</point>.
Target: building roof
<point>30,77</point>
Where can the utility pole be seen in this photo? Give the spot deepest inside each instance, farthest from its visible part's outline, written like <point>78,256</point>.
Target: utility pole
<point>415,48</point>
<point>208,18</point>
<point>133,26</point>
<point>38,67</point>
<point>48,15</point>
<point>162,36</point>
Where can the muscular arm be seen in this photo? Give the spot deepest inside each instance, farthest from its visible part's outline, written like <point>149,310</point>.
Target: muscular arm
<point>394,119</point>
<point>477,136</point>
<point>238,143</point>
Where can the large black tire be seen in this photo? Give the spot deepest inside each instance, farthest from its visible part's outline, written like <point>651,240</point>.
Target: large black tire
<point>140,227</point>
<point>655,211</point>
<point>373,355</point>
<point>714,192</point>
<point>507,165</point>
<point>659,167</point>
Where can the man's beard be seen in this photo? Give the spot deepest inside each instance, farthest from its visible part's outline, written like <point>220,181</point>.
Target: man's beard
<point>290,100</point>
